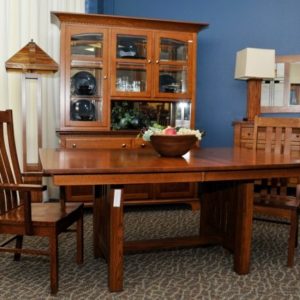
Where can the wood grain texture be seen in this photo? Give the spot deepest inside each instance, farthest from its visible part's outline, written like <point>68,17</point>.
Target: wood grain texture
<point>276,196</point>
<point>227,176</point>
<point>19,217</point>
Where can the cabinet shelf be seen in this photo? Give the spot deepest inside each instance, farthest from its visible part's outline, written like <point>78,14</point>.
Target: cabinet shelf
<point>80,63</point>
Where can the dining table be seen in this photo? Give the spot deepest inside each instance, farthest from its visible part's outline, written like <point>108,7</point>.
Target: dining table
<point>226,186</point>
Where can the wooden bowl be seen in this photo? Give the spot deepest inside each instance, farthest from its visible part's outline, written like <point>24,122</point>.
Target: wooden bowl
<point>173,145</point>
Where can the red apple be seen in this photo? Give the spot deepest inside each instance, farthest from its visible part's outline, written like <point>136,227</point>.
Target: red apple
<point>169,131</point>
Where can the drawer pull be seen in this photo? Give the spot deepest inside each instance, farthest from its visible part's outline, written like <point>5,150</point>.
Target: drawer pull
<point>123,145</point>
<point>73,145</point>
<point>143,145</point>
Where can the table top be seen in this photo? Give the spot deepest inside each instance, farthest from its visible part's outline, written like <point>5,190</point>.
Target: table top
<point>144,161</point>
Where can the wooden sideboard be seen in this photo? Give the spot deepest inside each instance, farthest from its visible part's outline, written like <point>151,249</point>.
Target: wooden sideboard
<point>243,135</point>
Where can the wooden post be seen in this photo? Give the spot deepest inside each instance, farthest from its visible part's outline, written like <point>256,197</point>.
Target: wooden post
<point>253,98</point>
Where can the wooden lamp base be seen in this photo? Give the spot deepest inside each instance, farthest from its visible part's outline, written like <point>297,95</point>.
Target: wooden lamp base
<point>253,98</point>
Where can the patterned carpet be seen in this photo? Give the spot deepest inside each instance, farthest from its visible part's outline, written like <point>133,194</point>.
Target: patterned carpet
<point>200,273</point>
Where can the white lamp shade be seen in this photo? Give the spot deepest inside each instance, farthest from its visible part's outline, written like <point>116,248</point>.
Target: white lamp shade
<point>255,63</point>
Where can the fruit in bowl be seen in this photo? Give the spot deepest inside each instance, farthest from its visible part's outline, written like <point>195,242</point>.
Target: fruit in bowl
<point>169,131</point>
<point>170,141</point>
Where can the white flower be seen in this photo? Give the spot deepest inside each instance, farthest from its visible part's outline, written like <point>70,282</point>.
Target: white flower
<point>186,131</point>
<point>150,131</point>
<point>158,130</point>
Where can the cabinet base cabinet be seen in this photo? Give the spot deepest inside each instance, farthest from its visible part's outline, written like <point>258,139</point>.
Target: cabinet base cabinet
<point>143,194</point>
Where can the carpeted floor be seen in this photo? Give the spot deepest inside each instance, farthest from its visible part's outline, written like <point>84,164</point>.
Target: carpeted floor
<point>199,273</point>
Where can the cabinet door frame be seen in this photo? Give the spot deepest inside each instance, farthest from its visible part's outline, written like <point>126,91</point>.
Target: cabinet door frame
<point>187,37</point>
<point>147,62</point>
<point>66,62</point>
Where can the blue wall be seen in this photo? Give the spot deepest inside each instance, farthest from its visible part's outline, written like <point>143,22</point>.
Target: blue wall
<point>234,25</point>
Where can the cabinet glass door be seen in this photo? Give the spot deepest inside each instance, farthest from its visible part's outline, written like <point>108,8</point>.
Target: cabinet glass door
<point>173,65</point>
<point>86,80</point>
<point>131,64</point>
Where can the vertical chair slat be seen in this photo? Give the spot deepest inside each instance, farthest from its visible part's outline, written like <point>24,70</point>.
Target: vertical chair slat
<point>9,199</point>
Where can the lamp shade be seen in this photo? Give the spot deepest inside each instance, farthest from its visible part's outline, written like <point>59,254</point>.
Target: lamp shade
<point>255,63</point>
<point>32,59</point>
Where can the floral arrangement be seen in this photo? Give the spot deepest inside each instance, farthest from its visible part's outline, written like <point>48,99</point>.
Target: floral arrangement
<point>157,129</point>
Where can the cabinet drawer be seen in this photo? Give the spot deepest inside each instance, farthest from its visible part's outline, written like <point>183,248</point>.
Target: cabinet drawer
<point>247,133</point>
<point>178,190</point>
<point>101,142</point>
<point>140,143</point>
<point>138,191</point>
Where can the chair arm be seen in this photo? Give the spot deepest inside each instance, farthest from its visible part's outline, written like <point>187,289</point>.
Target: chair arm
<point>26,190</point>
<point>23,187</point>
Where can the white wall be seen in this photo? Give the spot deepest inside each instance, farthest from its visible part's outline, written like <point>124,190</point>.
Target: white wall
<point>21,21</point>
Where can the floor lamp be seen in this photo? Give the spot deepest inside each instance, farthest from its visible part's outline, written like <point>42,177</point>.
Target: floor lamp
<point>32,62</point>
<point>254,65</point>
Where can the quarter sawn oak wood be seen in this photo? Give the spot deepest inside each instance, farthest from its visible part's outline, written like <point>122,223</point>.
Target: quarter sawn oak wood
<point>19,217</point>
<point>226,176</point>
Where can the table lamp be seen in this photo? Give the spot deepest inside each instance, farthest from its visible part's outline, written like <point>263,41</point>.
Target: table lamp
<point>254,65</point>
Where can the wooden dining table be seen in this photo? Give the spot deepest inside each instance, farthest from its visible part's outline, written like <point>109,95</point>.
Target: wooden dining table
<point>225,177</point>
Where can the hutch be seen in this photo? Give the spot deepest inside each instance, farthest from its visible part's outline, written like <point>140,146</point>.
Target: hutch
<point>119,75</point>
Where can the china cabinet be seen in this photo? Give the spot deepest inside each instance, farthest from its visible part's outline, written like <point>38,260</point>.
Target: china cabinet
<point>122,74</point>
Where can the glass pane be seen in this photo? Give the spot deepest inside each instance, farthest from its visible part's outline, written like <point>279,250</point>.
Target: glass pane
<point>129,46</point>
<point>295,94</point>
<point>86,82</point>
<point>126,115</point>
<point>183,114</point>
<point>272,93</point>
<point>294,78</point>
<point>173,81</point>
<point>85,110</point>
<point>87,44</point>
<point>130,78</point>
<point>173,50</point>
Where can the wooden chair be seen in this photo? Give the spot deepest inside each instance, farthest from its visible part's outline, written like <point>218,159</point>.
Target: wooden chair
<point>20,217</point>
<point>278,197</point>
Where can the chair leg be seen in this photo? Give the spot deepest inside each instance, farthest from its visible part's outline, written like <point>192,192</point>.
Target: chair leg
<point>292,238</point>
<point>19,244</point>
<point>297,229</point>
<point>53,245</point>
<point>79,239</point>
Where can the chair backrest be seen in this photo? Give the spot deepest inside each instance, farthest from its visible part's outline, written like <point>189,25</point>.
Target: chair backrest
<point>9,165</point>
<point>278,135</point>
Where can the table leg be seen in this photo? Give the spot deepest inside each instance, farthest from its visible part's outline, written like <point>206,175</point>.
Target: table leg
<point>227,212</point>
<point>244,224</point>
<point>109,233</point>
<point>100,215</point>
<point>116,241</point>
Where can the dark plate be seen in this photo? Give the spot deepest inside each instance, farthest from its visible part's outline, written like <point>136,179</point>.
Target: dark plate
<point>166,79</point>
<point>83,110</point>
<point>83,83</point>
<point>127,49</point>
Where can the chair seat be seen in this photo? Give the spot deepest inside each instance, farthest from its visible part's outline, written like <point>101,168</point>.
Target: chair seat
<point>284,202</point>
<point>43,214</point>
